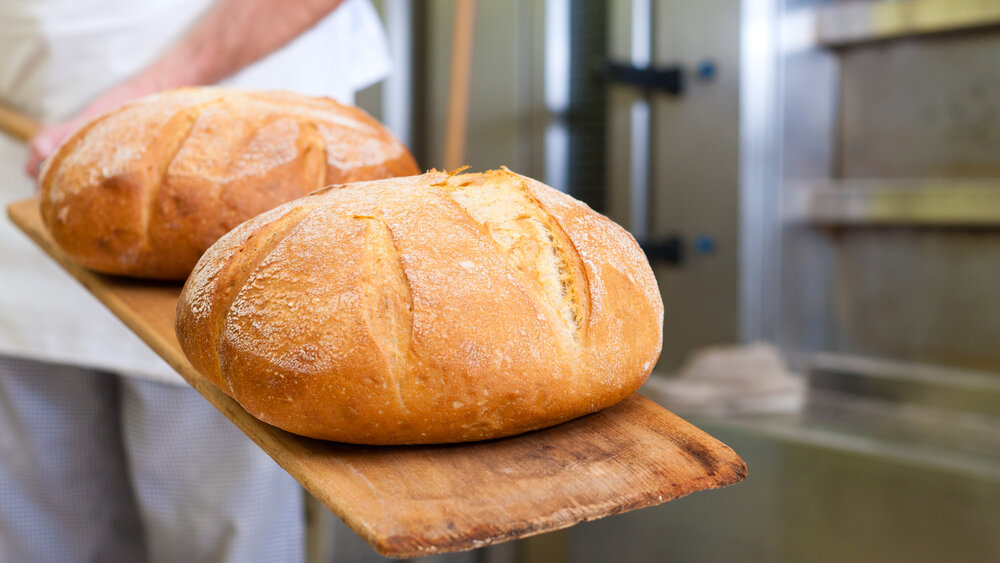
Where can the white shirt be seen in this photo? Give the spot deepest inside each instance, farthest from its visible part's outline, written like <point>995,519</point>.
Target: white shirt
<point>55,57</point>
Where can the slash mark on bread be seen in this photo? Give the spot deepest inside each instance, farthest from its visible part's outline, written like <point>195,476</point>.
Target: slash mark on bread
<point>243,264</point>
<point>531,241</point>
<point>389,312</point>
<point>173,145</point>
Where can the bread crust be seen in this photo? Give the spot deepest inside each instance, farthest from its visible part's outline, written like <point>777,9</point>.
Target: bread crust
<point>424,310</point>
<point>143,190</point>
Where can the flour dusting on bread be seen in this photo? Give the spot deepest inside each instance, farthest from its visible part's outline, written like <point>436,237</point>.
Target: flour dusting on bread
<point>144,189</point>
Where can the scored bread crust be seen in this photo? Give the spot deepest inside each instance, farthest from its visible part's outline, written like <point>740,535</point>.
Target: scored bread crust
<point>428,309</point>
<point>143,190</point>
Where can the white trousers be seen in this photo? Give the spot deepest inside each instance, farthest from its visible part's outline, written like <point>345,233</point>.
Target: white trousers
<point>98,467</point>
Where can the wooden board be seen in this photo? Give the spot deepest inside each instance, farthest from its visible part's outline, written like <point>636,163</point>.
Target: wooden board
<point>411,501</point>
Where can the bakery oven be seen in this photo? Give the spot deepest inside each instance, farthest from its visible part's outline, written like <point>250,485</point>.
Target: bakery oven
<point>820,175</point>
<point>835,178</point>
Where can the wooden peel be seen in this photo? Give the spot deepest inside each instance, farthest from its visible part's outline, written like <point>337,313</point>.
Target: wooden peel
<point>418,500</point>
<point>18,125</point>
<point>457,119</point>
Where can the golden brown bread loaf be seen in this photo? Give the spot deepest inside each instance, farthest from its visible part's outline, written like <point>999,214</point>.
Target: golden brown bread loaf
<point>425,309</point>
<point>143,190</point>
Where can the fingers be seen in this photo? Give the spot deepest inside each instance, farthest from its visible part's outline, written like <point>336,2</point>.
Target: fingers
<point>36,157</point>
<point>41,146</point>
<point>48,139</point>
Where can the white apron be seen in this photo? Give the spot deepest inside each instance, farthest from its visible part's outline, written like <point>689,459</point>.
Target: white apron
<point>55,57</point>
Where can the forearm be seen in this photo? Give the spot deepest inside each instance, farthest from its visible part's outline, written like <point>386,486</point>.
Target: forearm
<point>231,36</point>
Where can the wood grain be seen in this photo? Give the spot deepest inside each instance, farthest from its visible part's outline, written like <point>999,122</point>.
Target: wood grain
<point>463,42</point>
<point>17,124</point>
<point>411,501</point>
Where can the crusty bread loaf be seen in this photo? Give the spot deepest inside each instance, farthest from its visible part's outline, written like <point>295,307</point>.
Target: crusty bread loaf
<point>427,309</point>
<point>144,189</point>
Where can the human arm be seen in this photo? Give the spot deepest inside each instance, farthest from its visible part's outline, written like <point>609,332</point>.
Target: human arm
<point>232,35</point>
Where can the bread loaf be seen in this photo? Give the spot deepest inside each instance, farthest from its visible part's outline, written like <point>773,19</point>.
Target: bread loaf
<point>426,309</point>
<point>144,189</point>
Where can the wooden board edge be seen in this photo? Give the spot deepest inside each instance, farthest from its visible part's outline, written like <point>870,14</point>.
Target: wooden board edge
<point>404,547</point>
<point>93,283</point>
<point>728,469</point>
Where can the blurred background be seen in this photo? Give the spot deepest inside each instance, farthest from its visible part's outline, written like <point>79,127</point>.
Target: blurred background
<point>820,177</point>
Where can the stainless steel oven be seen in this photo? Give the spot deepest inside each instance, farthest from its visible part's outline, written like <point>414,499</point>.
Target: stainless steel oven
<point>843,159</point>
<point>826,175</point>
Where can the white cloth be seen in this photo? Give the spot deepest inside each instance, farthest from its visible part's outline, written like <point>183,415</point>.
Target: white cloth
<point>95,467</point>
<point>731,380</point>
<point>56,56</point>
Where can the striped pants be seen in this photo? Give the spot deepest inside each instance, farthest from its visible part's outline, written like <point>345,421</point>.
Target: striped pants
<point>97,467</point>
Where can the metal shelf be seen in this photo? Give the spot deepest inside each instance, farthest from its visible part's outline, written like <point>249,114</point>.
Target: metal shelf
<point>852,23</point>
<point>918,415</point>
<point>924,202</point>
<point>935,387</point>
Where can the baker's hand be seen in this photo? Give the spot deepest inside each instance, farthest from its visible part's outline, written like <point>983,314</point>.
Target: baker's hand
<point>45,142</point>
